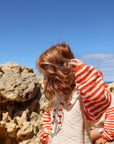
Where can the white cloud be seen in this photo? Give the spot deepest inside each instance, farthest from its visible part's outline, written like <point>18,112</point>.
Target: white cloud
<point>101,61</point>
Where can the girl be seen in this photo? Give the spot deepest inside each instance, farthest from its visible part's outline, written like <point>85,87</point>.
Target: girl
<point>72,89</point>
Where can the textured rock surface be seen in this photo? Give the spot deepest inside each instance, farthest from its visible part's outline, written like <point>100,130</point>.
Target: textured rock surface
<point>22,104</point>
<point>111,87</point>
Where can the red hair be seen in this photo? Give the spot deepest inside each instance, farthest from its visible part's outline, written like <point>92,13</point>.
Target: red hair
<point>58,73</point>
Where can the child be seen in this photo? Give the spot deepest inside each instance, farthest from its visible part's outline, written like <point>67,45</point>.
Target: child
<point>72,89</point>
<point>103,130</point>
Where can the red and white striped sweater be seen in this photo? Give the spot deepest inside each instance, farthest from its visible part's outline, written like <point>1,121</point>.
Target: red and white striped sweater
<point>108,130</point>
<point>96,98</point>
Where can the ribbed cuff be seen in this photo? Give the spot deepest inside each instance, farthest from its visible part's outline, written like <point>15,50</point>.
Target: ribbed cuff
<point>106,136</point>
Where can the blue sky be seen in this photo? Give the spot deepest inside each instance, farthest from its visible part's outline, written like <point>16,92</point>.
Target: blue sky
<point>28,27</point>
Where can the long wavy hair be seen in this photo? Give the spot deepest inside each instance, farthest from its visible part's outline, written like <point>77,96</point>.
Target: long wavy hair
<point>58,73</point>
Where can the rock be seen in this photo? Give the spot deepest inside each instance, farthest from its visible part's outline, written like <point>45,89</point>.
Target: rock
<point>22,104</point>
<point>17,83</point>
<point>26,130</point>
<point>111,87</point>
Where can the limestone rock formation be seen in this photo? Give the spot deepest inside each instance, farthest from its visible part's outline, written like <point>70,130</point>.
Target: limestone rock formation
<point>111,87</point>
<point>22,104</point>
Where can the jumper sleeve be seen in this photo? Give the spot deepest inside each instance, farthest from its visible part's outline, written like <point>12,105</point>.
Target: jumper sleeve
<point>108,132</point>
<point>44,137</point>
<point>96,98</point>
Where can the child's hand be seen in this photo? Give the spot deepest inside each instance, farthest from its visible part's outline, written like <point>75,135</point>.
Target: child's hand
<point>75,62</point>
<point>101,140</point>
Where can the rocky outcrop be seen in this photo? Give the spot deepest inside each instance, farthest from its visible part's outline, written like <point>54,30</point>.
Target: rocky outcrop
<point>111,87</point>
<point>22,104</point>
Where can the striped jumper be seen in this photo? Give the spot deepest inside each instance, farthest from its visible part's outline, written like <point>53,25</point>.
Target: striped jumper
<point>65,123</point>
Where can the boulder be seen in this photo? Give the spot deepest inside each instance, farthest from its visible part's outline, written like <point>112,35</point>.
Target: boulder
<point>22,104</point>
<point>111,87</point>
